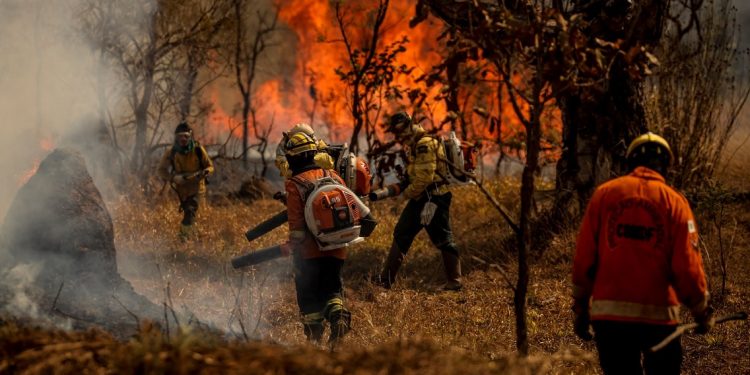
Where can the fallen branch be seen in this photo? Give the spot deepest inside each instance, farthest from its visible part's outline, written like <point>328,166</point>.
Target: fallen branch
<point>686,327</point>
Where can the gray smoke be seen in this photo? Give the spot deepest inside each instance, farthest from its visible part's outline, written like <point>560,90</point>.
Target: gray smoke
<point>46,85</point>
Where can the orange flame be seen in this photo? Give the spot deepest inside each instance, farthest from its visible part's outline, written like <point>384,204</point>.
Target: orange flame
<point>314,93</point>
<point>26,176</point>
<point>45,145</point>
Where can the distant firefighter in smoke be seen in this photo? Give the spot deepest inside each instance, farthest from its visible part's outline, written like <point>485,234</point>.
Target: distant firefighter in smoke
<point>185,166</point>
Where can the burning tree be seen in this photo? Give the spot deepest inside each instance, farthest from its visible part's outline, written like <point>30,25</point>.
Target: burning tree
<point>545,52</point>
<point>248,47</point>
<point>371,72</point>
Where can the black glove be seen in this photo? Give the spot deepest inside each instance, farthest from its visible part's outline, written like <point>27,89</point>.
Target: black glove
<point>582,326</point>
<point>705,320</point>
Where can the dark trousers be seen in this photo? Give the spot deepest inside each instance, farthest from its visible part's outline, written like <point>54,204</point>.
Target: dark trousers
<point>621,344</point>
<point>439,229</point>
<point>317,281</point>
<point>189,208</point>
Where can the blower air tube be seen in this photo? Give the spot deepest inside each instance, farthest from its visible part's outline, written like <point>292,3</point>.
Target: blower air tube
<point>267,226</point>
<point>256,257</point>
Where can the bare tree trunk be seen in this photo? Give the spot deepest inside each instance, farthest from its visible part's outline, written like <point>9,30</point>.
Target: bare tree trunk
<point>597,125</point>
<point>594,140</point>
<point>451,101</point>
<point>141,118</point>
<point>361,67</point>
<point>186,99</point>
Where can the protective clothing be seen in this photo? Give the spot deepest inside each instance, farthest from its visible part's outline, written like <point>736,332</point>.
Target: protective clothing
<point>302,128</point>
<point>425,166</point>
<point>622,344</point>
<point>387,277</point>
<point>317,274</point>
<point>322,159</point>
<point>399,122</point>
<point>640,143</point>
<point>426,169</point>
<point>341,321</point>
<point>183,127</point>
<point>636,254</point>
<point>452,265</point>
<point>180,162</point>
<point>299,143</point>
<point>300,238</point>
<point>186,167</point>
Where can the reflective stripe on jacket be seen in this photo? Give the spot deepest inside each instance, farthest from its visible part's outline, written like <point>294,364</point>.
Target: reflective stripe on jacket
<point>300,237</point>
<point>636,253</point>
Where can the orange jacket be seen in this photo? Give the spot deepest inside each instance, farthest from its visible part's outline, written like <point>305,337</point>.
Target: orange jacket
<point>636,254</point>
<point>300,238</point>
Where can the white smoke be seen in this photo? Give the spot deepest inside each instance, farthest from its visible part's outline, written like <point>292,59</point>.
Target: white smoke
<point>46,83</point>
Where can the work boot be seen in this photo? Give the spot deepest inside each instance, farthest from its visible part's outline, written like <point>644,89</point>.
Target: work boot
<point>314,331</point>
<point>313,326</point>
<point>341,323</point>
<point>452,271</point>
<point>387,277</point>
<point>185,232</point>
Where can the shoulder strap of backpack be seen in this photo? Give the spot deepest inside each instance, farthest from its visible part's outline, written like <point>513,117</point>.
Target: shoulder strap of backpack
<point>200,154</point>
<point>438,159</point>
<point>305,187</point>
<point>171,159</point>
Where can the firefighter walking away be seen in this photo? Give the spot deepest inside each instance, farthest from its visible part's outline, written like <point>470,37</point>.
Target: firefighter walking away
<point>185,167</point>
<point>636,260</point>
<point>317,271</point>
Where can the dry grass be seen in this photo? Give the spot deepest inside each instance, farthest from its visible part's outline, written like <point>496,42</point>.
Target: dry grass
<point>414,328</point>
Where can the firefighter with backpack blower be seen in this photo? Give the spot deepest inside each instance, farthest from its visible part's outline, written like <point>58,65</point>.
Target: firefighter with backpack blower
<point>353,169</point>
<point>322,159</point>
<point>429,202</point>
<point>324,218</point>
<point>185,167</point>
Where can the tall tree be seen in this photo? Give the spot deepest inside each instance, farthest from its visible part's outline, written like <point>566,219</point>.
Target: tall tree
<point>146,51</point>
<point>252,38</point>
<point>362,58</point>
<point>542,53</point>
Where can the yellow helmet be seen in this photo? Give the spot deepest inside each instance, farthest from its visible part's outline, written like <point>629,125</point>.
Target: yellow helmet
<point>302,128</point>
<point>638,146</point>
<point>299,143</point>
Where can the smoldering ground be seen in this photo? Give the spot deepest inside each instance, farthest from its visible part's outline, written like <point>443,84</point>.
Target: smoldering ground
<point>49,100</point>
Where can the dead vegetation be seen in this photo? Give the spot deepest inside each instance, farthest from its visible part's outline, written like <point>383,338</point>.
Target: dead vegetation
<point>414,328</point>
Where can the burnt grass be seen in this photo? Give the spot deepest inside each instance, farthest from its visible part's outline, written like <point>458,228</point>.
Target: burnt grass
<point>413,328</point>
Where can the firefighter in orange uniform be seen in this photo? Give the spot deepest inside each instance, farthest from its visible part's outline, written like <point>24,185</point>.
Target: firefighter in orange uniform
<point>636,260</point>
<point>318,277</point>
